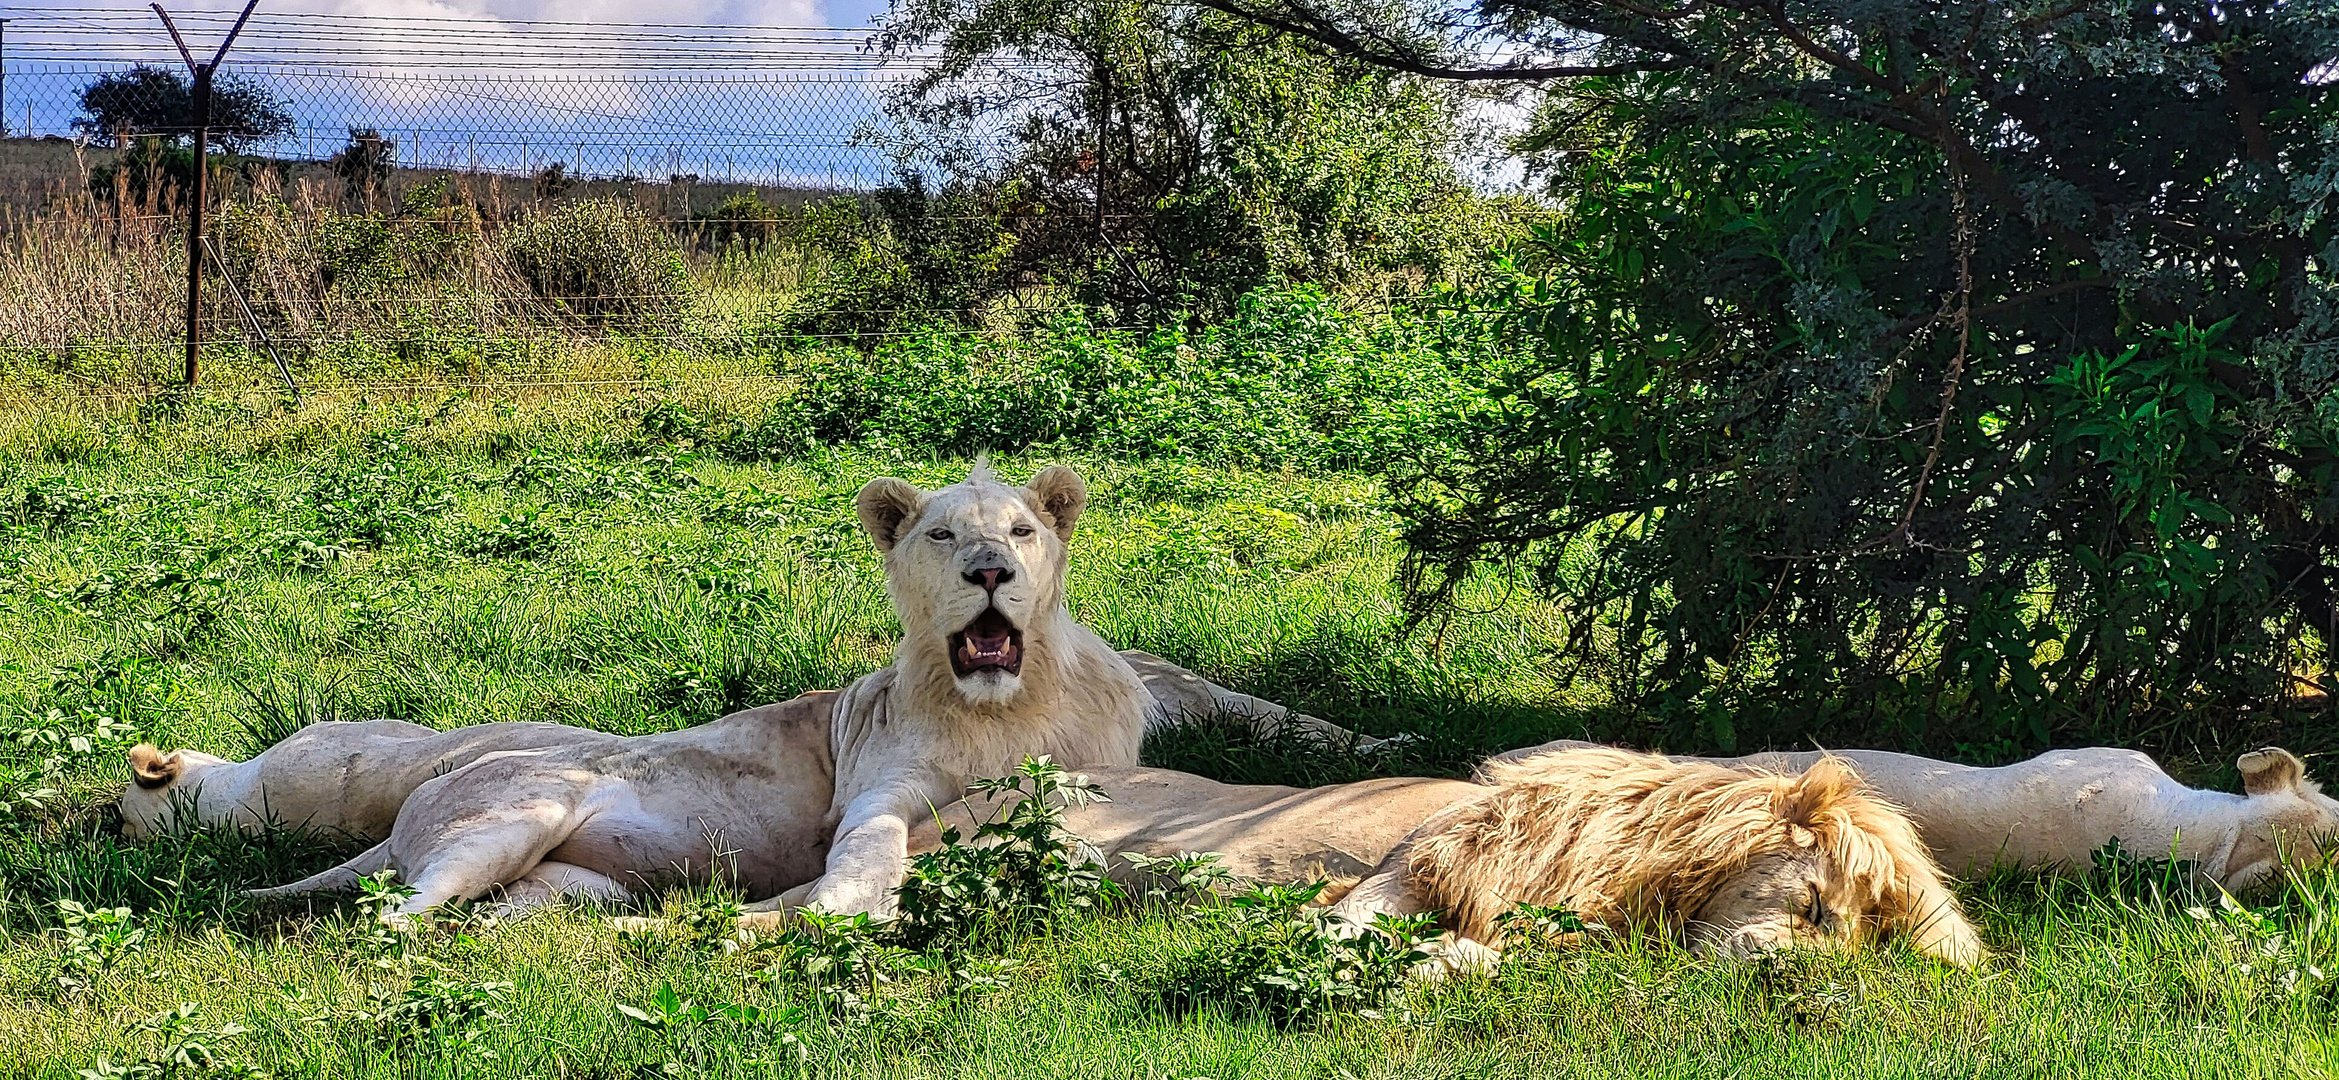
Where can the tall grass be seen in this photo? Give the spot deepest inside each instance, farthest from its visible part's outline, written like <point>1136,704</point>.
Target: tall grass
<point>457,276</point>
<point>90,291</point>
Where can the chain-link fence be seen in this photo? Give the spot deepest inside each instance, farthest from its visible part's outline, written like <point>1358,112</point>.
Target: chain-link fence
<point>768,106</point>
<point>481,184</point>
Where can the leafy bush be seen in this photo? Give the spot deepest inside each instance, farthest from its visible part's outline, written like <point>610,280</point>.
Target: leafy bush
<point>183,1050</point>
<point>909,260</point>
<point>97,940</point>
<point>426,1010</point>
<point>56,504</point>
<point>425,263</point>
<point>743,219</point>
<point>842,959</point>
<point>1024,874</point>
<point>600,259</point>
<point>524,535</point>
<point>1979,419</point>
<point>150,171</point>
<point>1291,381</point>
<point>375,506</point>
<point>1201,158</point>
<point>1264,958</point>
<point>1024,871</point>
<point>693,1032</point>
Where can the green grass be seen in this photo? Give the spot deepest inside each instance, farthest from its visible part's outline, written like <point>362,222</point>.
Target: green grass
<point>208,574</point>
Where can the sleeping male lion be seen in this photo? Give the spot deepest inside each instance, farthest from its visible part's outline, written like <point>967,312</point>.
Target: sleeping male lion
<point>1730,861</point>
<point>819,791</point>
<point>2054,811</point>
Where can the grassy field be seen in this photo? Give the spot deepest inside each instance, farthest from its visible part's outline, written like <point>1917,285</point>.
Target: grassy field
<point>208,572</point>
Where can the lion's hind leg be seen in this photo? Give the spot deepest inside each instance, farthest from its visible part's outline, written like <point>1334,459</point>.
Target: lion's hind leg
<point>480,850</point>
<point>551,882</point>
<point>485,825</point>
<point>341,878</point>
<point>1178,694</point>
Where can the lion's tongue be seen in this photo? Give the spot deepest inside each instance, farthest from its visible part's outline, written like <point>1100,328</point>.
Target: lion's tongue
<point>985,650</point>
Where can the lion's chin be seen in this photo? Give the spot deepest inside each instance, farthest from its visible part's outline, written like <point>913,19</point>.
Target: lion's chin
<point>989,687</point>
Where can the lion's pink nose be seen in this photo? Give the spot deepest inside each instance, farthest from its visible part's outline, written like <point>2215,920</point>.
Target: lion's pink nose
<point>989,577</point>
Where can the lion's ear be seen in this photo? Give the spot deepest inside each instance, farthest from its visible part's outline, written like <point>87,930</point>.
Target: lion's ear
<point>1061,493</point>
<point>2270,771</point>
<point>883,505</point>
<point>1827,783</point>
<point>151,768</point>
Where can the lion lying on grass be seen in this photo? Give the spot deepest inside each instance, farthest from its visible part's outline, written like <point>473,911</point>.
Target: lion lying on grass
<point>2056,810</point>
<point>348,778</point>
<point>1730,861</point>
<point>337,777</point>
<point>822,789</point>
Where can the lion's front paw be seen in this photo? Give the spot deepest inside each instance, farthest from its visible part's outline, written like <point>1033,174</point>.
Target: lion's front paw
<point>758,923</point>
<point>852,898</point>
<point>1452,956</point>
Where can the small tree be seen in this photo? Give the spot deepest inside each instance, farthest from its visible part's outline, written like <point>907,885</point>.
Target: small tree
<point>154,101</point>
<point>365,164</point>
<point>552,181</point>
<point>1221,157</point>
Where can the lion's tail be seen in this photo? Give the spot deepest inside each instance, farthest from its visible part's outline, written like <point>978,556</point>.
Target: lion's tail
<point>341,878</point>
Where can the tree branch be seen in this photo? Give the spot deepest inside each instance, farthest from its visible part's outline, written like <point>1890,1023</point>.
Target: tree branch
<point>1919,322</point>
<point>1345,44</point>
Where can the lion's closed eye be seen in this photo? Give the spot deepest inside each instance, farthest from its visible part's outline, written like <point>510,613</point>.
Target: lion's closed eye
<point>1816,912</point>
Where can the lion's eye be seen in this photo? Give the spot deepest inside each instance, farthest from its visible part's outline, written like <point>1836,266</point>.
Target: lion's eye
<point>937,534</point>
<point>1817,913</point>
<point>1022,530</point>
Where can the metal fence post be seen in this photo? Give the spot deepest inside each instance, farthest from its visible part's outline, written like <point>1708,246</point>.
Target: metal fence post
<point>200,95</point>
<point>195,201</point>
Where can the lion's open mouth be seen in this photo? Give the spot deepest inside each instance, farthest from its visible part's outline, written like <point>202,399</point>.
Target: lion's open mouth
<point>990,643</point>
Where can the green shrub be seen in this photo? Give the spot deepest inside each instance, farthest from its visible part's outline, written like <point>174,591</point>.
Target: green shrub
<point>1291,380</point>
<point>1825,435</point>
<point>909,260</point>
<point>600,259</point>
<point>1271,958</point>
<point>308,270</point>
<point>743,219</point>
<point>1026,872</point>
<point>1214,157</point>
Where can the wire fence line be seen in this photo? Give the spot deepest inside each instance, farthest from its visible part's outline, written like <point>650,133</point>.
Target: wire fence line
<point>770,106</point>
<point>330,122</point>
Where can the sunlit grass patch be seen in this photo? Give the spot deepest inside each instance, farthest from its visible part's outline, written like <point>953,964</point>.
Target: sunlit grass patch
<point>213,578</point>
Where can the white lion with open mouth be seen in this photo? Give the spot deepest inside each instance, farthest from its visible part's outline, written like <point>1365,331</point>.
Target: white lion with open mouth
<point>817,795</point>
